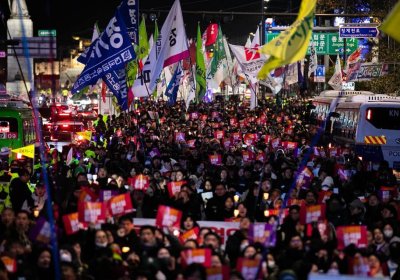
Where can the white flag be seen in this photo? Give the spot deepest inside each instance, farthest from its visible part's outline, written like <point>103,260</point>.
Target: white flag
<point>171,47</point>
<point>256,39</point>
<point>70,156</point>
<point>191,94</point>
<point>336,80</point>
<point>250,60</point>
<point>312,66</point>
<point>292,74</point>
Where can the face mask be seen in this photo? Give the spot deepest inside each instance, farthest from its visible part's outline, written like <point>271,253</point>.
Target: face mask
<point>102,245</point>
<point>388,233</point>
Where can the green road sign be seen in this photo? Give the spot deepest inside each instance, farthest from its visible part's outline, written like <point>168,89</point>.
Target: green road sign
<point>47,33</point>
<point>327,43</point>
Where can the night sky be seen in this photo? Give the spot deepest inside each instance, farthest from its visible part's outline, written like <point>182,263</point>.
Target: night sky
<point>76,18</point>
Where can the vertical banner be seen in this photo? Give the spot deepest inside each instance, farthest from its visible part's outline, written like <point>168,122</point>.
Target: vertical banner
<point>129,10</point>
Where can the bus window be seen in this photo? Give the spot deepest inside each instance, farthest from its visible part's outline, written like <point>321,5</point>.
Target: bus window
<point>8,128</point>
<point>383,118</point>
<point>4,127</point>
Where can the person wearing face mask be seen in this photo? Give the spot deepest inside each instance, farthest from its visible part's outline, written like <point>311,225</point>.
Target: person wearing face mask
<point>390,232</point>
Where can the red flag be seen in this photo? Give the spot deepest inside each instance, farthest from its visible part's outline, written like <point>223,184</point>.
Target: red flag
<point>130,96</point>
<point>212,33</point>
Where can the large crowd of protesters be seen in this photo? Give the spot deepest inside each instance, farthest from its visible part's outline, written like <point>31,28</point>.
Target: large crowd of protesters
<point>170,144</point>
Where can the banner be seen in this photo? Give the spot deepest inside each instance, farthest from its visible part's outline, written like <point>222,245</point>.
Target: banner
<point>291,44</point>
<point>262,233</point>
<point>211,34</point>
<point>10,264</point>
<point>312,213</point>
<point>87,135</point>
<point>356,235</point>
<point>72,224</point>
<point>91,212</point>
<point>368,71</point>
<point>108,56</point>
<point>105,195</point>
<point>201,256</point>
<point>336,80</point>
<point>168,217</point>
<point>28,151</point>
<point>171,47</point>
<point>172,89</point>
<point>218,273</point>
<point>189,234</point>
<point>120,204</point>
<point>313,59</point>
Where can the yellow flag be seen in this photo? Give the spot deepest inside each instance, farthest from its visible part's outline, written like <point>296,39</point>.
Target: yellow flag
<point>28,151</point>
<point>392,23</point>
<point>291,44</point>
<point>85,134</point>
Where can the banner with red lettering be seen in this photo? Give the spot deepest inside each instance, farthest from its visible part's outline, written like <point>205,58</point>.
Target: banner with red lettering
<point>215,159</point>
<point>120,205</point>
<point>92,212</point>
<point>247,267</point>
<point>312,213</point>
<point>168,217</point>
<point>201,256</point>
<point>139,182</point>
<point>189,234</point>
<point>347,235</point>
<point>72,224</point>
<point>262,233</point>
<point>175,187</point>
<point>218,273</point>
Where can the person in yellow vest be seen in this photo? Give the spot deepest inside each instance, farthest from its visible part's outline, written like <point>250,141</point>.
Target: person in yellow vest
<point>64,95</point>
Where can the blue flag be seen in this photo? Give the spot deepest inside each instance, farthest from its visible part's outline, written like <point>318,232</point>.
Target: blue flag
<point>116,82</point>
<point>130,14</point>
<point>173,86</point>
<point>108,54</point>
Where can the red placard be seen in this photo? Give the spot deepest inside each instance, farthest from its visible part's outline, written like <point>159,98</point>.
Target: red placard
<point>312,213</point>
<point>120,205</point>
<point>289,145</point>
<point>236,137</point>
<point>72,224</point>
<point>189,234</point>
<point>139,182</point>
<point>215,159</point>
<point>218,273</point>
<point>191,143</point>
<point>168,217</point>
<point>87,194</point>
<point>10,264</point>
<point>233,121</point>
<point>201,256</point>
<point>247,267</point>
<point>261,157</point>
<point>219,134</point>
<point>267,139</point>
<point>174,187</point>
<point>227,143</point>
<point>250,139</point>
<point>91,212</point>
<point>323,196</point>
<point>275,143</point>
<point>248,156</point>
<point>295,201</point>
<point>347,235</point>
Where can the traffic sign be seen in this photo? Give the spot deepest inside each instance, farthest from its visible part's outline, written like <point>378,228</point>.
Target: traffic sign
<point>327,43</point>
<point>358,31</point>
<point>47,33</point>
<point>319,75</point>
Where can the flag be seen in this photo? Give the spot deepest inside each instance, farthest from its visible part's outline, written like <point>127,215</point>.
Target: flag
<point>108,57</point>
<point>170,48</point>
<point>250,60</point>
<point>192,88</point>
<point>70,156</point>
<point>103,91</point>
<point>28,151</point>
<point>173,86</point>
<point>130,14</point>
<point>87,134</point>
<point>201,85</point>
<point>144,47</point>
<point>392,22</point>
<point>336,80</point>
<point>312,66</point>
<point>211,34</point>
<point>83,58</point>
<point>218,66</point>
<point>291,44</point>
<point>156,32</point>
<point>292,75</point>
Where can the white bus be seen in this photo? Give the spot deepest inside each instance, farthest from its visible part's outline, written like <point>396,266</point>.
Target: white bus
<point>372,124</point>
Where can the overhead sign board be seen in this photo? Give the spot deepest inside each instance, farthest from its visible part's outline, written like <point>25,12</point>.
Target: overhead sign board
<point>47,33</point>
<point>38,47</point>
<point>358,31</point>
<point>327,43</point>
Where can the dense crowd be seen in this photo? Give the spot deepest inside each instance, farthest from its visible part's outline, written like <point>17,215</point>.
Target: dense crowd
<point>230,168</point>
